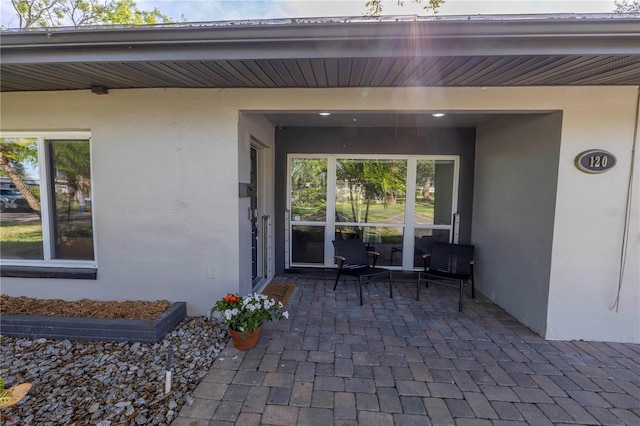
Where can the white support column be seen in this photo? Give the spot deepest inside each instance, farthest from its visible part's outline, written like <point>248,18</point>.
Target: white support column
<point>330,218</point>
<point>409,215</point>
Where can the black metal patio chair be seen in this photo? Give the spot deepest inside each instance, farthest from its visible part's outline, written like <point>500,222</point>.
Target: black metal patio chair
<point>450,265</point>
<point>353,259</point>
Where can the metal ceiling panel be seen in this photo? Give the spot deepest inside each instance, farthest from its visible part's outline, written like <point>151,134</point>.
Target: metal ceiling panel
<point>357,69</point>
<point>279,72</point>
<point>218,80</point>
<point>349,52</point>
<point>305,67</point>
<point>381,71</point>
<point>469,66</point>
<point>373,72</point>
<point>229,73</point>
<point>344,73</point>
<point>332,71</point>
<point>48,76</point>
<point>599,67</point>
<point>559,67</point>
<point>393,71</point>
<point>366,77</point>
<point>625,75</point>
<point>445,73</point>
<point>295,70</point>
<point>425,68</point>
<point>319,72</point>
<point>177,73</point>
<point>280,77</point>
<point>509,69</point>
<point>267,79</point>
<point>541,66</point>
<point>240,68</point>
<point>193,70</point>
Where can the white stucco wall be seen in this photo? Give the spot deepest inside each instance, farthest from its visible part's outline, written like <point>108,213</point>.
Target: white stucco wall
<point>166,211</point>
<point>166,170</point>
<point>589,223</point>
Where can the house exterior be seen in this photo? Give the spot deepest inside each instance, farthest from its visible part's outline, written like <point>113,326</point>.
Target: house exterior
<point>200,164</point>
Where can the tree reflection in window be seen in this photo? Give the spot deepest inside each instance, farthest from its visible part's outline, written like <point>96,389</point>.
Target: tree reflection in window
<point>370,191</point>
<point>308,189</point>
<point>71,186</point>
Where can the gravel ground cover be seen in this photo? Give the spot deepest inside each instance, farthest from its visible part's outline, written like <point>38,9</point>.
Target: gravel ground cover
<point>107,383</point>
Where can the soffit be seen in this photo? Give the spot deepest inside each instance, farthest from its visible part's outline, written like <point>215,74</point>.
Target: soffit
<point>389,119</point>
<point>448,53</point>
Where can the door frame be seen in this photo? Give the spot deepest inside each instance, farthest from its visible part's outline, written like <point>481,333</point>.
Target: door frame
<point>263,219</point>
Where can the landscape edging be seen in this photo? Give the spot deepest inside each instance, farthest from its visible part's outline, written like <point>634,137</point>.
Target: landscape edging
<point>93,329</point>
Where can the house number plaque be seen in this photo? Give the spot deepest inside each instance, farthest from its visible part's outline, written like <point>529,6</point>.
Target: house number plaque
<point>595,161</point>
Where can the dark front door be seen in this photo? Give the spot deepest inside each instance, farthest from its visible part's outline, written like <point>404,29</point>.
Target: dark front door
<point>254,217</point>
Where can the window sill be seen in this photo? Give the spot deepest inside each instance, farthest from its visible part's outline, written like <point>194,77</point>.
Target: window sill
<point>48,272</point>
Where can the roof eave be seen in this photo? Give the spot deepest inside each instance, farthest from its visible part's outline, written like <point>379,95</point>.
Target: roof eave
<point>329,40</point>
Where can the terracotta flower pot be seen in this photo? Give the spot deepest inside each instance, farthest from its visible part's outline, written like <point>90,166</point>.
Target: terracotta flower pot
<point>242,342</point>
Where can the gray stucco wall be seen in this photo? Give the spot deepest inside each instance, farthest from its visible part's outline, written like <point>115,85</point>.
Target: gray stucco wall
<point>409,141</point>
<point>516,177</point>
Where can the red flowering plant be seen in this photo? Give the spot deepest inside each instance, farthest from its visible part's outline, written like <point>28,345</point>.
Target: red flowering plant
<point>247,313</point>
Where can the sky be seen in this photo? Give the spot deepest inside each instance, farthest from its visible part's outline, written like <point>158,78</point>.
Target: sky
<point>210,10</point>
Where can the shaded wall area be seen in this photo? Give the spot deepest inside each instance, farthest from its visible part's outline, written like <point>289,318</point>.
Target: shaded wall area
<point>516,178</point>
<point>353,140</point>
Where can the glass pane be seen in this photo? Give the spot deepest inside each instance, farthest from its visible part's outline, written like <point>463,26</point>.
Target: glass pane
<point>434,192</point>
<point>425,239</point>
<point>308,189</point>
<point>71,184</point>
<point>348,232</point>
<point>371,191</point>
<point>20,223</point>
<point>307,244</point>
<point>385,240</point>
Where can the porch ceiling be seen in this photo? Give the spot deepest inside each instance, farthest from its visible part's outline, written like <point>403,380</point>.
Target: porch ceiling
<point>392,119</point>
<point>452,52</point>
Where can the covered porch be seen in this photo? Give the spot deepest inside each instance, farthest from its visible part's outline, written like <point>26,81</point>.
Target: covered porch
<point>400,361</point>
<point>180,130</point>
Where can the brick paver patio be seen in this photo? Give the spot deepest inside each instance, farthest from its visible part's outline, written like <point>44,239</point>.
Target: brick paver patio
<point>405,362</point>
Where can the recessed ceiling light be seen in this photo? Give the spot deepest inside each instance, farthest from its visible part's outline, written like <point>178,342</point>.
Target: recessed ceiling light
<point>354,119</point>
<point>438,114</point>
<point>324,114</point>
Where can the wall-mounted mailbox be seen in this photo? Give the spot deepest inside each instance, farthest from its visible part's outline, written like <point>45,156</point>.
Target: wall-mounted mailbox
<point>245,190</point>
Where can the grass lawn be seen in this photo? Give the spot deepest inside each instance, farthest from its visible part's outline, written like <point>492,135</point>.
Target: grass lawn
<point>381,214</point>
<point>19,240</point>
<point>393,213</point>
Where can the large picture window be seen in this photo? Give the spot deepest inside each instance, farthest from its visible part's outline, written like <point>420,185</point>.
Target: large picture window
<point>398,205</point>
<point>46,206</point>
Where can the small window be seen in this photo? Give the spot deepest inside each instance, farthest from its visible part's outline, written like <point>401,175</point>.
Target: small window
<point>46,205</point>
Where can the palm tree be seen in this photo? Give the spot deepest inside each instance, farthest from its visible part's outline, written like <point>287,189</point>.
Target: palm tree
<point>14,154</point>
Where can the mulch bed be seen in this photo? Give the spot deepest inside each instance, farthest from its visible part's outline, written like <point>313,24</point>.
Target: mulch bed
<point>82,308</point>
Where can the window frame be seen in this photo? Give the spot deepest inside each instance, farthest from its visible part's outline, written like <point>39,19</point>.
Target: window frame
<point>48,239</point>
<point>409,226</point>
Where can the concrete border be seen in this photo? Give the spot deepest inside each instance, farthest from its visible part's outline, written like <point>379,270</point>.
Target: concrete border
<point>93,329</point>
